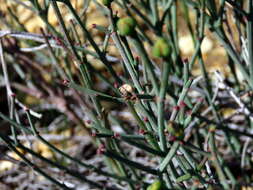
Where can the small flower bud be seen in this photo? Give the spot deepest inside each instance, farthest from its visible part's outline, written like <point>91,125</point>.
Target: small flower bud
<point>116,135</point>
<point>93,134</point>
<point>65,82</point>
<point>186,60</point>
<point>116,85</point>
<point>126,89</point>
<point>176,108</point>
<point>189,112</point>
<point>145,119</point>
<point>161,48</point>
<point>26,109</point>
<point>142,132</point>
<point>101,149</point>
<point>182,104</point>
<point>175,129</point>
<point>126,26</point>
<point>13,95</point>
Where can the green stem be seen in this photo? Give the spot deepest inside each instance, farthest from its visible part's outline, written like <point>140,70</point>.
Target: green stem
<point>161,99</point>
<point>92,42</point>
<point>169,156</point>
<point>145,58</point>
<point>131,163</point>
<point>250,37</point>
<point>216,162</point>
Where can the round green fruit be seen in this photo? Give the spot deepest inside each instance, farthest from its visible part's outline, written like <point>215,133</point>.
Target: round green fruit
<point>106,2</point>
<point>156,185</point>
<point>161,48</point>
<point>126,26</point>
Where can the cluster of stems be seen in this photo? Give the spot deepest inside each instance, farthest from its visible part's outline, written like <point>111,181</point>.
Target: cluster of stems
<point>177,118</point>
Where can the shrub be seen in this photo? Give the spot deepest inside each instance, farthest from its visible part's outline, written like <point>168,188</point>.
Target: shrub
<point>155,123</point>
